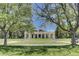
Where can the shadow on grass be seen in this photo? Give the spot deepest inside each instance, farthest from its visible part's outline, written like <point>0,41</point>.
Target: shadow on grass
<point>31,50</point>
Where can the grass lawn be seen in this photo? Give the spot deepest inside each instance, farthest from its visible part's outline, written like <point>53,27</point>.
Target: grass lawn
<point>66,50</point>
<point>30,42</point>
<point>20,47</point>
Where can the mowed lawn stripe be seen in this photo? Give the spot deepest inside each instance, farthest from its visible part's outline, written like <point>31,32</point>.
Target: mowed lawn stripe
<point>36,42</point>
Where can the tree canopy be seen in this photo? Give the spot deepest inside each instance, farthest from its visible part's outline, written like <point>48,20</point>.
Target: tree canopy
<point>65,16</point>
<point>13,17</point>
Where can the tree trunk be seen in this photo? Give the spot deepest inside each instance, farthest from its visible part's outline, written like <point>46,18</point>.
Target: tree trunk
<point>5,38</point>
<point>73,40</point>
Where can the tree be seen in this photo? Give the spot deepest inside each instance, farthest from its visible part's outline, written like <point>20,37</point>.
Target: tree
<point>13,16</point>
<point>65,16</point>
<point>59,33</point>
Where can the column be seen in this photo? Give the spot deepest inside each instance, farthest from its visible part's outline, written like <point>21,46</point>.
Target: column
<point>41,35</point>
<point>44,35</point>
<point>33,35</point>
<point>53,35</point>
<point>49,35</point>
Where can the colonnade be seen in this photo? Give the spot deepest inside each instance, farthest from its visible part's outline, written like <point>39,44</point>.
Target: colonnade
<point>39,35</point>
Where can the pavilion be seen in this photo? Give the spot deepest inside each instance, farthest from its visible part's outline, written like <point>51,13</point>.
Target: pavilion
<point>39,34</point>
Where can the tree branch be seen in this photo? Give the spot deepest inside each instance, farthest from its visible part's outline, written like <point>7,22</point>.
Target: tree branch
<point>64,9</point>
<point>51,19</point>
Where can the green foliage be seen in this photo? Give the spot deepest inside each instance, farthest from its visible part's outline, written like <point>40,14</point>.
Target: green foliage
<point>59,33</point>
<point>39,51</point>
<point>15,16</point>
<point>63,15</point>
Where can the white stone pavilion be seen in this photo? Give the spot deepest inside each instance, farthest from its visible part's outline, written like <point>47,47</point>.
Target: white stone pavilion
<point>39,34</point>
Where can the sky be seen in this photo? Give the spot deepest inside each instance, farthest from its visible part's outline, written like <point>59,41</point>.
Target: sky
<point>38,22</point>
